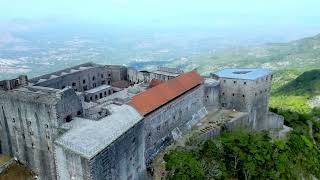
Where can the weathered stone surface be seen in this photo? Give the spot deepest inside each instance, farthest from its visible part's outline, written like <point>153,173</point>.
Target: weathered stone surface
<point>45,121</point>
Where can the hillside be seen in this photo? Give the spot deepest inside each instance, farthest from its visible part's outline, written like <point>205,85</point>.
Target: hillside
<point>302,55</point>
<point>307,84</point>
<point>301,94</point>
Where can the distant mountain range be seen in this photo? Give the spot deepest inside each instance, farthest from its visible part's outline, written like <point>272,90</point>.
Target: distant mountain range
<point>301,55</point>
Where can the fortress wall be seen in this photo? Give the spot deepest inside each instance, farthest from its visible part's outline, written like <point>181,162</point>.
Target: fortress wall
<point>80,81</point>
<point>250,96</point>
<point>173,116</point>
<point>239,122</point>
<point>30,128</point>
<point>211,95</point>
<point>70,165</point>
<point>70,105</point>
<point>123,159</point>
<point>118,72</point>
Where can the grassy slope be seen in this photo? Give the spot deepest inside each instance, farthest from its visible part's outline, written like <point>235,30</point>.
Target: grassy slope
<point>295,94</point>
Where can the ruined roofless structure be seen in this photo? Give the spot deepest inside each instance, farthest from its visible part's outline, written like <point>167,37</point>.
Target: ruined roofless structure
<point>96,121</point>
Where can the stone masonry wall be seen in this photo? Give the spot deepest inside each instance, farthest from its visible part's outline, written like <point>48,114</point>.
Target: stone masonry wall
<point>28,128</point>
<point>160,123</point>
<point>250,96</point>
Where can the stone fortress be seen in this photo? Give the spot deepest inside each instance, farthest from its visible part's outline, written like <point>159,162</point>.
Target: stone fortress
<point>97,122</point>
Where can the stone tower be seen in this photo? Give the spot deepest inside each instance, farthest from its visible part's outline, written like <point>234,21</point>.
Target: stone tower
<point>246,90</point>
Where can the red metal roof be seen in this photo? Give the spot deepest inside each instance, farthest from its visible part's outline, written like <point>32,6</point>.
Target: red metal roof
<point>154,83</point>
<point>157,96</point>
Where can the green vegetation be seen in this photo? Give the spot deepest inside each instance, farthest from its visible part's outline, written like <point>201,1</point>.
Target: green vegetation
<point>255,155</point>
<point>243,155</point>
<point>307,84</point>
<point>294,95</point>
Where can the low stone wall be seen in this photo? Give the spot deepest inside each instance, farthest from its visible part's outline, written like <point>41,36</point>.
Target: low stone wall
<point>275,121</point>
<point>6,165</point>
<point>235,123</point>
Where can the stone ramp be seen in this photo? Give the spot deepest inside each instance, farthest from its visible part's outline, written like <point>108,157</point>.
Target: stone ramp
<point>11,170</point>
<point>5,162</point>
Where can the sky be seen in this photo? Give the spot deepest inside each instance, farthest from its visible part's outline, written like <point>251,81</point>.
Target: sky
<point>168,12</point>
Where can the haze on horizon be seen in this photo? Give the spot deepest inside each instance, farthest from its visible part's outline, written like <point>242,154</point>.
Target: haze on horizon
<point>166,13</point>
<point>40,36</point>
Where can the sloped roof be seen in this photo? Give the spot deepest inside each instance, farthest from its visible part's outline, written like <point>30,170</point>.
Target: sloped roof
<point>157,96</point>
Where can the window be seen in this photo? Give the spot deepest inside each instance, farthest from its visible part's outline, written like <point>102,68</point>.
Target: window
<point>63,87</point>
<point>90,98</point>
<point>109,74</point>
<point>255,94</point>
<point>33,146</point>
<point>93,78</point>
<point>243,95</point>
<point>74,84</point>
<point>101,75</point>
<point>105,93</point>
<point>13,120</point>
<point>100,95</point>
<point>79,113</point>
<point>109,83</point>
<point>47,126</point>
<point>94,85</point>
<point>85,88</point>
<point>109,91</point>
<point>232,94</point>
<point>103,82</point>
<point>224,81</point>
<point>245,83</point>
<point>234,82</point>
<point>223,93</point>
<point>83,81</point>
<point>68,118</point>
